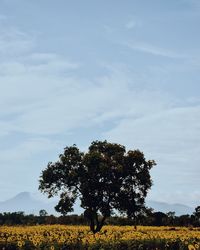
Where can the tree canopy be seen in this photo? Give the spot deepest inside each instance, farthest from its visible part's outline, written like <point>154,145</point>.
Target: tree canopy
<point>105,178</point>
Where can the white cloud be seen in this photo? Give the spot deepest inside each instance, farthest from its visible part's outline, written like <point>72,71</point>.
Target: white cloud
<point>131,24</point>
<point>41,101</point>
<point>13,42</point>
<point>153,50</point>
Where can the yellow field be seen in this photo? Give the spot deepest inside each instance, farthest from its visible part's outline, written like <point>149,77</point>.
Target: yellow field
<point>110,237</point>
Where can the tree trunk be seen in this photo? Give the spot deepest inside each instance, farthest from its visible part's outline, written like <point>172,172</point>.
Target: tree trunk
<point>96,227</point>
<point>92,225</point>
<point>135,222</point>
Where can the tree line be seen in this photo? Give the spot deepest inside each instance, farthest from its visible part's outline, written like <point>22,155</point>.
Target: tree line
<point>149,219</point>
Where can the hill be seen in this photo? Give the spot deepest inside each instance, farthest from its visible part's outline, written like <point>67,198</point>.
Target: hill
<point>33,203</point>
<point>164,207</point>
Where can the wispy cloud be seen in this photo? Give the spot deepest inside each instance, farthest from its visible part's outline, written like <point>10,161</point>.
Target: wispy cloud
<point>153,50</point>
<point>171,137</point>
<point>14,42</point>
<point>49,97</point>
<point>130,24</point>
<point>26,150</point>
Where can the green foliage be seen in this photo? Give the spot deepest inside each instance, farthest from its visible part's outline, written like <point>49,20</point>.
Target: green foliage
<point>196,216</point>
<point>106,178</point>
<point>43,213</point>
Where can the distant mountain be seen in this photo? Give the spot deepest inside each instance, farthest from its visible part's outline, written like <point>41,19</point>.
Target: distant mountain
<point>33,203</point>
<point>164,207</point>
<point>27,203</point>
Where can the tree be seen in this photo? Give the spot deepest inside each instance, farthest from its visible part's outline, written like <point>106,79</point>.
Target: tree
<point>196,215</point>
<point>43,213</point>
<point>106,178</point>
<point>159,218</point>
<point>170,218</point>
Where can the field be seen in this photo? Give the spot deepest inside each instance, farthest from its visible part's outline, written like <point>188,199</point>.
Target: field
<point>111,237</point>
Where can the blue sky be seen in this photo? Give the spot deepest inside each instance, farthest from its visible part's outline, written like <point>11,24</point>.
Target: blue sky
<point>77,71</point>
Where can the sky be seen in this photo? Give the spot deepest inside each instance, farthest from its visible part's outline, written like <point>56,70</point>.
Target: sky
<point>124,71</point>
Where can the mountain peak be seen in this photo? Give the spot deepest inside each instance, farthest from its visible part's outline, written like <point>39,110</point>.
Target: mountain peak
<point>22,195</point>
<point>164,207</point>
<point>25,202</point>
